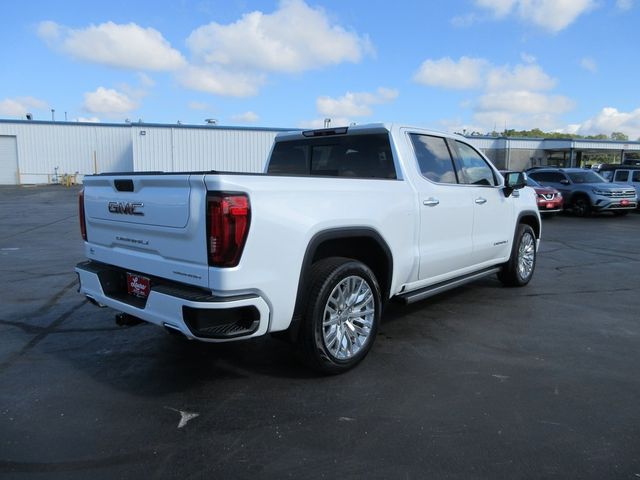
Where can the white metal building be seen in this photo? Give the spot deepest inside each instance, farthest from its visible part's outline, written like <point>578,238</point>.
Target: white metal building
<point>195,148</point>
<point>42,152</point>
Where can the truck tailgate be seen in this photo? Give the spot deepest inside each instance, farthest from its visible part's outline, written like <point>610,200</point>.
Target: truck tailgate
<point>151,224</point>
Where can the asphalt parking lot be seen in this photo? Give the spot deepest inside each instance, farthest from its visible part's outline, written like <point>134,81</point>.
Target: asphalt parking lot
<point>482,382</point>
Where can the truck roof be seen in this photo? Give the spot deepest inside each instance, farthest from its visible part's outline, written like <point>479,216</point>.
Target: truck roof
<point>354,129</point>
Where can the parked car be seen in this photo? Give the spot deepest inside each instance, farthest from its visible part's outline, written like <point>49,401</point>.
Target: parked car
<point>342,221</point>
<point>585,191</point>
<point>623,174</point>
<point>549,199</point>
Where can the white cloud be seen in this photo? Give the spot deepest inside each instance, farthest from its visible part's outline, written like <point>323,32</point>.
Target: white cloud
<point>499,8</point>
<point>464,74</point>
<point>528,58</point>
<point>609,120</point>
<point>552,15</point>
<point>513,96</point>
<point>319,123</point>
<point>88,119</point>
<point>472,73</point>
<point>520,109</point>
<point>145,80</point>
<point>108,101</point>
<point>520,77</point>
<point>198,106</point>
<point>116,45</point>
<point>624,5</point>
<point>246,117</point>
<point>220,82</point>
<point>523,101</point>
<point>589,64</point>
<point>354,104</point>
<point>294,38</point>
<point>463,21</point>
<point>20,106</point>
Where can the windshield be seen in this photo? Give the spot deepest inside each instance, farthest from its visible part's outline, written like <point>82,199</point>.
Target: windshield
<point>587,176</point>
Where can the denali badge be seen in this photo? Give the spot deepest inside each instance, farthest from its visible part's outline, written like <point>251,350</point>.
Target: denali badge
<point>126,208</point>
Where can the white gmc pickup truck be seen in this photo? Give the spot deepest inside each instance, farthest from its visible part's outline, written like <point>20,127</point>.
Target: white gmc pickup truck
<point>341,221</point>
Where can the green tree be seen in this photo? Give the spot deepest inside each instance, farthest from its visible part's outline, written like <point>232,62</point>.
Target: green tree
<point>619,136</point>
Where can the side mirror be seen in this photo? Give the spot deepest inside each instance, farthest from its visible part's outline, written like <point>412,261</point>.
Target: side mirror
<point>513,181</point>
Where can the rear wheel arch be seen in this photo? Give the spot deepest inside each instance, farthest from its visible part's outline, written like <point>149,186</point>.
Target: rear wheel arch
<point>362,244</point>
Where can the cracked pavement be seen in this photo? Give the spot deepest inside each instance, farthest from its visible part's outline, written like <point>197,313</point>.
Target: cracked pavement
<point>481,382</point>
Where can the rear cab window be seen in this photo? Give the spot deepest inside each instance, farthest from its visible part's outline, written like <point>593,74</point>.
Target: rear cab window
<point>366,155</point>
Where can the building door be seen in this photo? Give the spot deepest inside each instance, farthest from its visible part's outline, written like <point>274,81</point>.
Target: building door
<point>8,161</point>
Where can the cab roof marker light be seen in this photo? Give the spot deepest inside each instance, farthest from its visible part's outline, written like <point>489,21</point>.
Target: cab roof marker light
<point>325,132</point>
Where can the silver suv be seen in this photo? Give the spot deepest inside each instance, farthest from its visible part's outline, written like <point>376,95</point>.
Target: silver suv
<point>622,174</point>
<point>585,191</point>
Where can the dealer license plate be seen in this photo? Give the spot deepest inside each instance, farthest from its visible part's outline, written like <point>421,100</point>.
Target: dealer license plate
<point>624,203</point>
<point>137,285</point>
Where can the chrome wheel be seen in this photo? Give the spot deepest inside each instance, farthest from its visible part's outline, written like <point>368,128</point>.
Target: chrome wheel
<point>348,317</point>
<point>526,255</point>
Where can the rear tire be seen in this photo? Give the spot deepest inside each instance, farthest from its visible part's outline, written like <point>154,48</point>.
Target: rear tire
<point>518,271</point>
<point>342,315</point>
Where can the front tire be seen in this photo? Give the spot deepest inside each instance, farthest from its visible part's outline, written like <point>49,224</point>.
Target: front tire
<point>581,207</point>
<point>342,315</point>
<point>518,271</point>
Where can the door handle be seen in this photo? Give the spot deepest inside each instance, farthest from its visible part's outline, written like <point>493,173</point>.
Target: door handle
<point>481,201</point>
<point>431,202</point>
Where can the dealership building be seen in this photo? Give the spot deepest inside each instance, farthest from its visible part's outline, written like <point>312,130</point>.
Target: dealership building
<point>39,152</point>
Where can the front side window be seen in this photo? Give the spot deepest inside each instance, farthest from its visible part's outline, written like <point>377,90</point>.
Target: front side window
<point>636,176</point>
<point>474,169</point>
<point>434,158</point>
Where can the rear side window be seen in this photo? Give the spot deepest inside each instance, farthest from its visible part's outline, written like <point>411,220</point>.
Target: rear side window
<point>359,156</point>
<point>473,168</point>
<point>621,176</point>
<point>434,158</point>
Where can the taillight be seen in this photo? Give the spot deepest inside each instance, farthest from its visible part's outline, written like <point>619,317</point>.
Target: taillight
<point>83,222</point>
<point>228,219</point>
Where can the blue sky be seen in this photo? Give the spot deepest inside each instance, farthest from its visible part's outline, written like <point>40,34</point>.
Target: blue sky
<point>565,65</point>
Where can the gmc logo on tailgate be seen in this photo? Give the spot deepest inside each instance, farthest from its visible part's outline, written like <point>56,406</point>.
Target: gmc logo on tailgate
<point>126,208</point>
